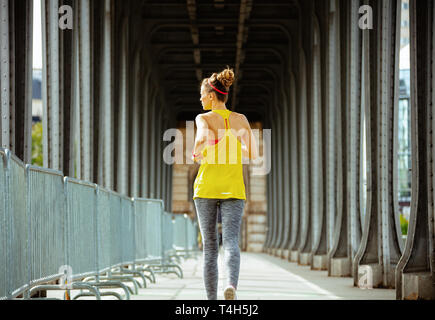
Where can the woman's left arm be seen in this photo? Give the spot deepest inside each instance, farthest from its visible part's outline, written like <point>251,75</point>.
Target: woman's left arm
<point>201,137</point>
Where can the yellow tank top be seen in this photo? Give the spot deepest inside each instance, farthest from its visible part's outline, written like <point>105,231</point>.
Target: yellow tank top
<point>220,175</point>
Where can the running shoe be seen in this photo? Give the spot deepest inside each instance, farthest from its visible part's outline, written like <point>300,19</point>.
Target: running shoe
<point>230,293</point>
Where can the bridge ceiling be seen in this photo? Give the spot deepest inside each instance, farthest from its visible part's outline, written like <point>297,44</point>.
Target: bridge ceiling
<point>189,40</point>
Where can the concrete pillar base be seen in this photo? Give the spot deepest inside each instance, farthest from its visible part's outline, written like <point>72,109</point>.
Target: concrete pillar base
<point>340,267</point>
<point>285,254</point>
<point>294,256</point>
<point>417,286</point>
<point>370,276</point>
<point>320,262</point>
<point>304,258</point>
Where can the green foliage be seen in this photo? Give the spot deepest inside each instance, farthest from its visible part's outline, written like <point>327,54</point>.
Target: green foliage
<point>403,224</point>
<point>37,144</point>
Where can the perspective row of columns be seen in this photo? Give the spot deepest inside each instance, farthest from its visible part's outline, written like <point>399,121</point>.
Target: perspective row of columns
<point>339,78</point>
<point>102,120</point>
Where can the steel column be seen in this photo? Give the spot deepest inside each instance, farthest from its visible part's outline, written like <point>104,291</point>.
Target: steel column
<point>332,101</point>
<point>285,170</point>
<point>318,254</point>
<point>153,149</point>
<point>415,272</point>
<point>122,138</point>
<point>269,187</point>
<point>381,241</point>
<point>85,98</point>
<point>144,132</point>
<point>348,226</point>
<point>279,213</point>
<point>5,73</point>
<point>16,34</point>
<point>106,96</point>
<point>134,123</point>
<point>158,154</point>
<point>304,236</point>
<point>294,147</point>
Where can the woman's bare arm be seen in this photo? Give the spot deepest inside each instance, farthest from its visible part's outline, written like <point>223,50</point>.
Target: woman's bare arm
<point>201,135</point>
<point>250,149</point>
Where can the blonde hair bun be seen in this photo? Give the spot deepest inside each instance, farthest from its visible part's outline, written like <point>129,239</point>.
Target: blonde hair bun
<point>226,77</point>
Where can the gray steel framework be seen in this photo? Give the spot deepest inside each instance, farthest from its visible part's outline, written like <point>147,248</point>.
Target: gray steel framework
<point>129,70</point>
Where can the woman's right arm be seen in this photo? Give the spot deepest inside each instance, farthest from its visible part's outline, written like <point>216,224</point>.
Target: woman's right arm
<point>250,149</point>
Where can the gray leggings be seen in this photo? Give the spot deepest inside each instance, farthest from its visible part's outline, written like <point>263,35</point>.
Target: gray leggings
<point>231,213</point>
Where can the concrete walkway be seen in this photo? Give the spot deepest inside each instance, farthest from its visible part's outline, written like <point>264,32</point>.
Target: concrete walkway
<point>262,277</point>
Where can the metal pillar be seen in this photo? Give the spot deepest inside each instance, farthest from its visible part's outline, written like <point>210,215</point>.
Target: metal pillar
<point>122,151</point>
<point>84,102</point>
<point>274,183</point>
<point>134,124</point>
<point>294,147</point>
<point>381,242</point>
<point>16,33</point>
<point>348,224</point>
<point>303,235</point>
<point>106,97</point>
<point>152,144</point>
<point>279,213</point>
<point>158,153</point>
<point>415,272</point>
<point>318,259</point>
<point>144,133</point>
<point>332,101</point>
<point>269,187</point>
<point>285,174</point>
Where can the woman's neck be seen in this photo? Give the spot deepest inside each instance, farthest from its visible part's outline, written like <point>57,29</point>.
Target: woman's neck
<point>220,107</point>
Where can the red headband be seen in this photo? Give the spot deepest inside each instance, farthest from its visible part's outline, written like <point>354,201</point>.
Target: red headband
<point>216,88</point>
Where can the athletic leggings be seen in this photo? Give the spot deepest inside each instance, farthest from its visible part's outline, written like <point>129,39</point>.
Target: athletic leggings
<point>231,212</point>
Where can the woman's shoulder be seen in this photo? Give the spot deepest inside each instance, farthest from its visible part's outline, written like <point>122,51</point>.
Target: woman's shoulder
<point>241,118</point>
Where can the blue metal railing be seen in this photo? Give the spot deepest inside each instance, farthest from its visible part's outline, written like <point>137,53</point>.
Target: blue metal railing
<point>51,224</point>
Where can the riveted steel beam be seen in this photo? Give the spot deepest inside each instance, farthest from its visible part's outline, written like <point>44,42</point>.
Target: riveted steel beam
<point>153,146</point>
<point>303,234</point>
<point>331,104</point>
<point>57,89</point>
<point>279,24</point>
<point>317,258</point>
<point>122,112</point>
<point>272,214</point>
<point>106,94</point>
<point>145,92</point>
<point>134,124</point>
<point>242,35</point>
<point>278,192</point>
<point>348,225</point>
<point>381,242</point>
<point>16,26</point>
<point>285,173</point>
<point>294,147</point>
<point>150,92</point>
<point>415,271</point>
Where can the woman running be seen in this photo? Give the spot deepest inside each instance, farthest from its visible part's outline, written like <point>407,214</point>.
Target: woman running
<point>223,137</point>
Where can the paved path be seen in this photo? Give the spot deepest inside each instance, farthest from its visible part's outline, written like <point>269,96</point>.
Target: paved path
<point>262,277</point>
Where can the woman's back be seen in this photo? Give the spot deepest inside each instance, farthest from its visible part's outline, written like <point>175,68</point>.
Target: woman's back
<point>220,175</point>
<point>216,124</point>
